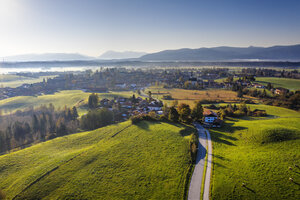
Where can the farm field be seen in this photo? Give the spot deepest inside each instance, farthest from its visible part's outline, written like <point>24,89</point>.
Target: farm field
<point>291,84</point>
<point>14,81</point>
<point>190,96</point>
<point>149,160</point>
<point>70,98</point>
<point>258,153</point>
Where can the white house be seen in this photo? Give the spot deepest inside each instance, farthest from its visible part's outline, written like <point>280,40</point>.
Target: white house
<point>209,116</point>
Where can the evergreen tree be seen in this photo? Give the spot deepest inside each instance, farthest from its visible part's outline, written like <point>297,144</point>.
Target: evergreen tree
<point>35,123</point>
<point>74,113</point>
<point>93,101</point>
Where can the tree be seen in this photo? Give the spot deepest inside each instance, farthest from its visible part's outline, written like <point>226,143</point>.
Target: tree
<point>175,103</point>
<point>197,112</point>
<point>187,84</point>
<point>96,119</point>
<point>150,95</point>
<point>133,98</point>
<point>264,94</point>
<point>74,113</point>
<point>184,112</point>
<point>229,79</point>
<point>269,86</point>
<point>61,128</point>
<point>173,114</point>
<point>240,93</point>
<point>35,123</point>
<point>93,101</point>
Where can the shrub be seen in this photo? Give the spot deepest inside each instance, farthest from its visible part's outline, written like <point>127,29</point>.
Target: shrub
<point>167,97</point>
<point>138,118</point>
<point>249,101</point>
<point>239,113</point>
<point>193,146</point>
<point>259,113</point>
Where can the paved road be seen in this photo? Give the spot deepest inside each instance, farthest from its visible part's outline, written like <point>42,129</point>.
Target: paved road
<point>208,168</point>
<point>197,177</point>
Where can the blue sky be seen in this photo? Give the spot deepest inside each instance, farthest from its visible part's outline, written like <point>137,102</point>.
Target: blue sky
<point>92,27</point>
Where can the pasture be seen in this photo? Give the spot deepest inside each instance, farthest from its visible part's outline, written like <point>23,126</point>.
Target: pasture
<point>289,83</point>
<point>190,96</point>
<point>149,160</point>
<point>69,98</point>
<point>13,81</point>
<point>255,158</point>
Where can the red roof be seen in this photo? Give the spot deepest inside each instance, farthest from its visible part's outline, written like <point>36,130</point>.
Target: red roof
<point>209,112</point>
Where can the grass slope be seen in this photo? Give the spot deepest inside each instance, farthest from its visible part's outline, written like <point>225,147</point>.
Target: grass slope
<point>145,161</point>
<point>59,100</point>
<point>242,155</point>
<point>14,81</point>
<point>289,83</point>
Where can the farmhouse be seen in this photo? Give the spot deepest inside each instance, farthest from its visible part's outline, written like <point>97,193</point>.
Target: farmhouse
<point>281,90</point>
<point>209,116</point>
<point>211,119</point>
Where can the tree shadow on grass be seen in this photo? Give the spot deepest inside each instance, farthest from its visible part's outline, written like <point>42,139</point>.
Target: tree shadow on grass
<point>218,136</point>
<point>216,164</point>
<point>251,190</point>
<point>222,138</point>
<point>296,183</point>
<point>220,157</point>
<point>143,125</point>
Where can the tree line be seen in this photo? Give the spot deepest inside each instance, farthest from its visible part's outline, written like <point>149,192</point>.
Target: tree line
<point>35,125</point>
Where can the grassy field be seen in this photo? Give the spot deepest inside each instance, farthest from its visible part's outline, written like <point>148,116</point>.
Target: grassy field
<point>70,98</point>
<point>190,96</point>
<point>257,152</point>
<point>291,84</point>
<point>13,81</point>
<point>145,161</point>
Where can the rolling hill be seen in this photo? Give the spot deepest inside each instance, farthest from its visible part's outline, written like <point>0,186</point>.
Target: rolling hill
<point>149,160</point>
<point>255,158</point>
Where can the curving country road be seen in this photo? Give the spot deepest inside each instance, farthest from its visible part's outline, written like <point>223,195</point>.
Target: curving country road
<point>197,177</point>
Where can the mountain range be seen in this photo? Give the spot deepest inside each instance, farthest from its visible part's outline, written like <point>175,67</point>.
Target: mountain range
<point>290,53</point>
<point>274,53</point>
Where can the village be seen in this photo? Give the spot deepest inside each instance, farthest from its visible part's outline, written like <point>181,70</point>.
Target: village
<point>128,107</point>
<point>126,79</point>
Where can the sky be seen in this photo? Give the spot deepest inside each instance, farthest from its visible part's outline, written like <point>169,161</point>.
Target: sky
<point>92,27</point>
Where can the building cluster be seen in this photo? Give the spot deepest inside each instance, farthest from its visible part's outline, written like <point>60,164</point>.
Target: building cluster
<point>127,107</point>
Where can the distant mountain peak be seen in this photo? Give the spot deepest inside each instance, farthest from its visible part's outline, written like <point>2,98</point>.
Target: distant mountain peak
<point>121,55</point>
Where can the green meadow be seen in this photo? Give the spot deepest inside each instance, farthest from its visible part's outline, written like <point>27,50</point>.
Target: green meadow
<point>289,83</point>
<point>69,98</point>
<point>13,81</point>
<point>254,158</point>
<point>149,160</point>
